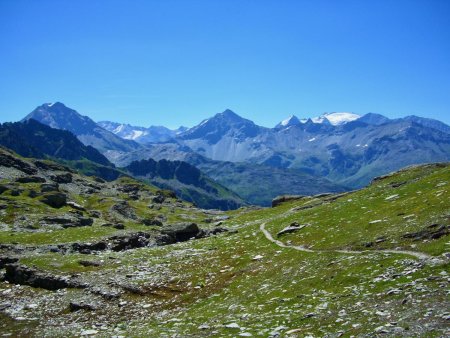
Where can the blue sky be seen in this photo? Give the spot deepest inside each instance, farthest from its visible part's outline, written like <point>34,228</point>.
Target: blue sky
<point>175,63</point>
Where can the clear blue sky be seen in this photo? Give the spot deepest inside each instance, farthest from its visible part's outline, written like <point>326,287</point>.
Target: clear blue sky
<point>175,63</point>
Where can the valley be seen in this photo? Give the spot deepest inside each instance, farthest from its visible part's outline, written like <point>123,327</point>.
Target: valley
<point>125,258</point>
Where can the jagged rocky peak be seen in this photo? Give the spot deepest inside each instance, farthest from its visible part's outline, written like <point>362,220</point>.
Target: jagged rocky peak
<point>229,116</point>
<point>58,115</point>
<point>290,121</point>
<point>334,119</point>
<point>374,119</point>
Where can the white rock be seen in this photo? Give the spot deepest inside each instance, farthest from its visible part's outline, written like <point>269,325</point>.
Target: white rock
<point>258,257</point>
<point>88,332</point>
<point>232,326</point>
<point>391,197</point>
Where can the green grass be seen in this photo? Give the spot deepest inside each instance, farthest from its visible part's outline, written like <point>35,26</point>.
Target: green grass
<point>217,280</point>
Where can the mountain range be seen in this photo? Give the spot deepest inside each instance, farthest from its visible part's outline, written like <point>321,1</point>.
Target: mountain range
<point>152,134</point>
<point>332,152</point>
<point>33,139</point>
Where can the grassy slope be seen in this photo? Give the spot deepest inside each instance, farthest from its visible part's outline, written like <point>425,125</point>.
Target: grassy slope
<point>313,293</point>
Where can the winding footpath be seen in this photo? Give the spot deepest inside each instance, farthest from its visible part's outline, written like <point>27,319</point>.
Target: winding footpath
<point>419,255</point>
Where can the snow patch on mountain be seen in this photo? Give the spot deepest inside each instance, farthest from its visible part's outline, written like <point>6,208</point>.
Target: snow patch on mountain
<point>337,119</point>
<point>286,122</point>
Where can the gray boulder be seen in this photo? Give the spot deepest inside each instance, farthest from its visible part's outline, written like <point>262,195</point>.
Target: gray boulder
<point>291,228</point>
<point>47,187</point>
<point>54,199</point>
<point>181,231</point>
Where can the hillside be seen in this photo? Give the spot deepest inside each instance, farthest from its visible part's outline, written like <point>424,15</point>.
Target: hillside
<point>256,183</point>
<point>113,259</point>
<point>33,139</point>
<point>187,181</point>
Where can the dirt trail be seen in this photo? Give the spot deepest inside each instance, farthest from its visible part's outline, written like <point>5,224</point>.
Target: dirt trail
<point>419,255</point>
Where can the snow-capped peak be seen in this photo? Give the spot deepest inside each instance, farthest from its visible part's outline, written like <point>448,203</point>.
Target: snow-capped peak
<point>337,119</point>
<point>289,120</point>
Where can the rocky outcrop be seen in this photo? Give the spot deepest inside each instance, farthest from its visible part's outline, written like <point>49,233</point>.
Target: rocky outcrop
<point>124,209</point>
<point>88,248</point>
<point>152,221</point>
<point>433,231</point>
<point>47,187</point>
<point>77,306</point>
<point>30,179</point>
<point>62,178</point>
<point>8,161</point>
<point>54,199</point>
<point>131,241</point>
<point>291,228</point>
<point>68,221</point>
<point>4,260</point>
<point>23,275</point>
<point>181,231</point>
<point>51,166</point>
<point>285,198</point>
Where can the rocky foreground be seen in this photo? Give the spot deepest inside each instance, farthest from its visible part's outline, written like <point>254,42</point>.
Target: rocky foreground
<point>80,256</point>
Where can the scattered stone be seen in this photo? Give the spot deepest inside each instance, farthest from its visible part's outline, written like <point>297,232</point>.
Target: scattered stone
<point>152,221</point>
<point>309,315</point>
<point>88,332</point>
<point>257,257</point>
<point>95,213</point>
<point>75,306</point>
<point>381,329</point>
<point>76,206</point>
<point>130,241</point>
<point>87,248</point>
<point>391,197</point>
<point>376,221</point>
<point>62,178</point>
<point>158,199</point>
<point>4,306</point>
<point>232,326</point>
<point>30,179</point>
<point>215,231</point>
<point>124,209</point>
<point>47,187</point>
<point>68,221</point>
<point>381,239</point>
